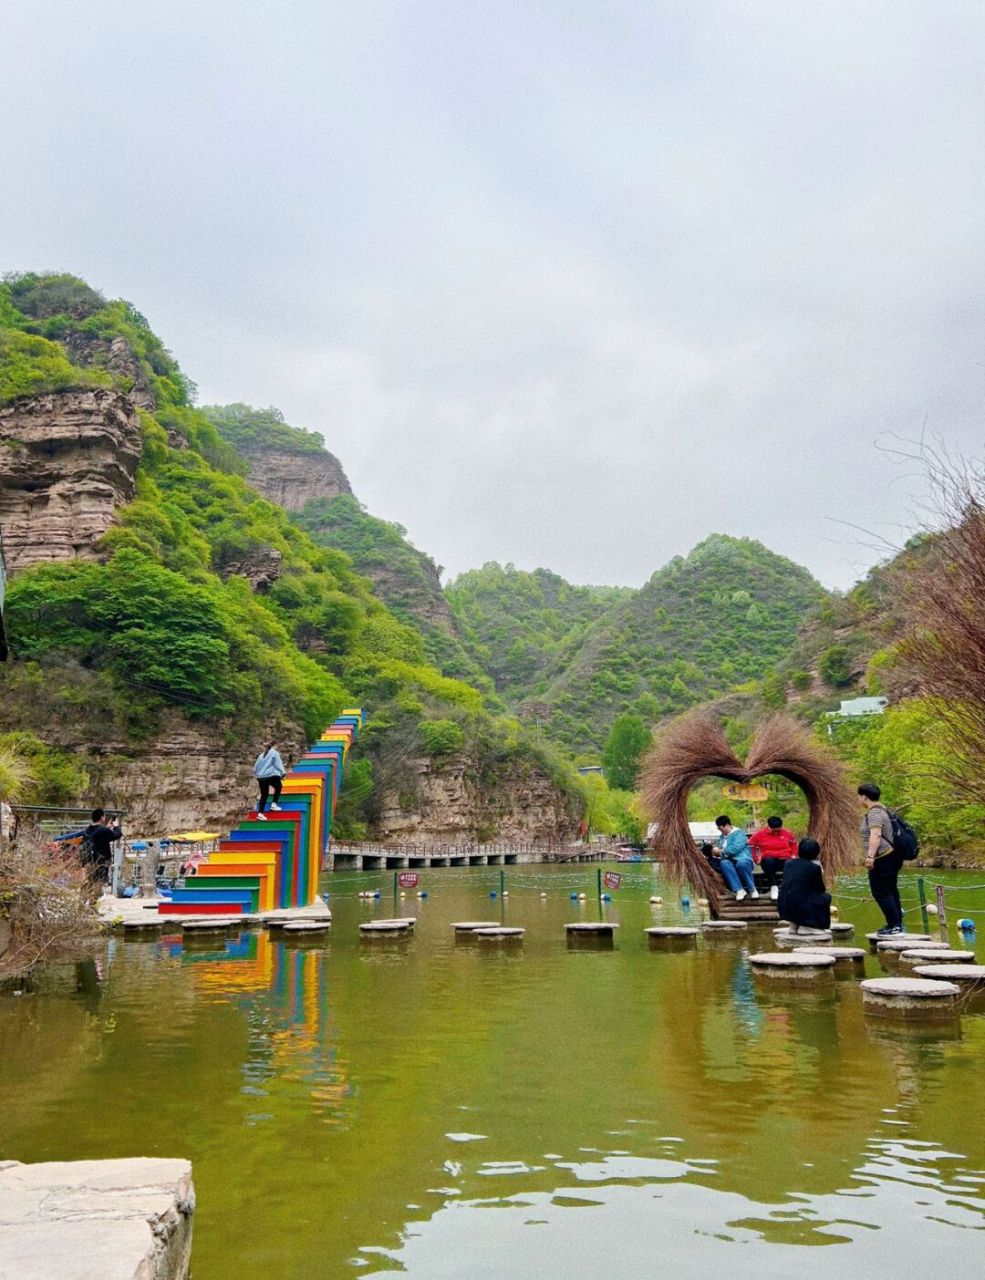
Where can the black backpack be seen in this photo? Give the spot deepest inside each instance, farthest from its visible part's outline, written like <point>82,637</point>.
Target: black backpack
<point>905,840</point>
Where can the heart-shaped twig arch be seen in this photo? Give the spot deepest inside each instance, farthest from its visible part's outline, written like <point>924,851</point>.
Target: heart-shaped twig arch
<point>694,747</point>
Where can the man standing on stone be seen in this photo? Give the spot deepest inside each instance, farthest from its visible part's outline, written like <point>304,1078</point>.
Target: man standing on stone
<point>99,837</point>
<point>881,860</point>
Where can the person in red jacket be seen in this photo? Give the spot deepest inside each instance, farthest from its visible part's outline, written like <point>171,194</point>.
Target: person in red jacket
<point>771,847</point>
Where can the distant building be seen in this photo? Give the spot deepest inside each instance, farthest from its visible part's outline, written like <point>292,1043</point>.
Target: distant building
<point>589,768</point>
<point>863,707</point>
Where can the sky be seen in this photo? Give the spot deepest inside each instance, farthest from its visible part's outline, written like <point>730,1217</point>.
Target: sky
<point>563,284</point>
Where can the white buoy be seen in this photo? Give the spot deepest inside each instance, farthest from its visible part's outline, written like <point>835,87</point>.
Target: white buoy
<point>702,902</point>
<point>931,909</point>
<point>582,897</point>
<point>506,893</point>
<point>543,895</point>
<point>834,909</point>
<point>654,901</point>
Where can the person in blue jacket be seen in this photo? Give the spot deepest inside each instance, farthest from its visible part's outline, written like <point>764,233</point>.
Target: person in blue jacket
<point>736,865</point>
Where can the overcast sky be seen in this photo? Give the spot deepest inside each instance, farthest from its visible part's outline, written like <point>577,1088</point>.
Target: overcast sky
<point>561,283</point>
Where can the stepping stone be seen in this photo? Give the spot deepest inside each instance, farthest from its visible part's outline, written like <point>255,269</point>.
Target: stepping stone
<point>499,933</point>
<point>307,926</point>
<point>967,976</point>
<point>215,924</point>
<point>924,955</point>
<point>819,937</point>
<point>912,938</point>
<point>385,928</point>
<point>282,921</point>
<point>599,928</point>
<point>889,946</point>
<point>722,926</point>
<point>470,926</point>
<point>908,997</point>
<point>847,954</point>
<point>806,966</point>
<point>842,927</point>
<point>146,923</point>
<point>671,932</point>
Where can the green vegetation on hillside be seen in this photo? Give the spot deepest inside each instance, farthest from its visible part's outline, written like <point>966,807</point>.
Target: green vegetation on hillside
<point>405,578</point>
<point>522,625</point>
<point>704,624</point>
<point>249,430</point>
<point>165,618</point>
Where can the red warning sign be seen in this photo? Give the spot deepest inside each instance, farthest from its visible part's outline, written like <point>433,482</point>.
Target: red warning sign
<point>408,879</point>
<point>612,879</point>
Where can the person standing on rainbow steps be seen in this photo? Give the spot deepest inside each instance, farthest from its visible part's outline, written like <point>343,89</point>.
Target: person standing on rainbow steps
<point>269,771</point>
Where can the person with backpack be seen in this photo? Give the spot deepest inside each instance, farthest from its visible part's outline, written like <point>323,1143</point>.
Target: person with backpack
<point>886,841</point>
<point>269,771</point>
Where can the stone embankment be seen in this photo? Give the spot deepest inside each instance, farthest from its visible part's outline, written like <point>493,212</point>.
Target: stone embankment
<point>82,1219</point>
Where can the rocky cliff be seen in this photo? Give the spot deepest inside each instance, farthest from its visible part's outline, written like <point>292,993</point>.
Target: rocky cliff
<point>294,479</point>
<point>454,799</point>
<point>67,461</point>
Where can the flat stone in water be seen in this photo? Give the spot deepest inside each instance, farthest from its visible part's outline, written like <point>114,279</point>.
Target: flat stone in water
<point>499,933</point>
<point>386,926</point>
<point>925,955</point>
<point>839,953</point>
<point>308,926</point>
<point>149,923</point>
<point>214,923</point>
<point>962,973</point>
<point>671,931</point>
<point>899,937</point>
<point>818,936</point>
<point>908,944</point>
<point>470,926</point>
<point>909,988</point>
<point>792,960</point>
<point>842,927</point>
<point>591,926</point>
<point>715,926</point>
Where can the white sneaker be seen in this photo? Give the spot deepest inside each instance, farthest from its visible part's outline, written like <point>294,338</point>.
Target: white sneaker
<point>261,817</point>
<point>275,807</point>
<point>740,895</point>
<point>754,894</point>
<point>774,892</point>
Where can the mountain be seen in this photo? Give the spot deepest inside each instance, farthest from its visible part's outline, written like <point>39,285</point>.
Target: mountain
<point>164,616</point>
<point>718,618</point>
<point>522,626</point>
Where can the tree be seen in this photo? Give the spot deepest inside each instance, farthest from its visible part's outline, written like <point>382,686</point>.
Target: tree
<point>628,739</point>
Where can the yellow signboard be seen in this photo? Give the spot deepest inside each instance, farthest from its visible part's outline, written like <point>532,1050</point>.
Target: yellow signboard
<point>753,791</point>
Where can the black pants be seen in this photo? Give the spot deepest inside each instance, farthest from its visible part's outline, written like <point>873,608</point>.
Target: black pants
<point>268,785</point>
<point>883,878</point>
<point>769,868</point>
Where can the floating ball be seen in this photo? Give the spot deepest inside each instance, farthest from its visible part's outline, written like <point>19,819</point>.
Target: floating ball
<point>582,897</point>
<point>967,925</point>
<point>506,893</point>
<point>834,909</point>
<point>492,893</point>
<point>423,893</point>
<point>654,901</point>
<point>685,902</point>
<point>574,897</point>
<point>543,895</point>
<point>403,895</point>
<point>702,902</point>
<point>606,897</point>
<point>377,894</point>
<point>931,909</point>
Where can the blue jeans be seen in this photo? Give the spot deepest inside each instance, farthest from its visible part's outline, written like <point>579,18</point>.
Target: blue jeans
<point>738,874</point>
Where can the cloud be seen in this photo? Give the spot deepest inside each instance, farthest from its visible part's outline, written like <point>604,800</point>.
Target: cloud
<point>561,285</point>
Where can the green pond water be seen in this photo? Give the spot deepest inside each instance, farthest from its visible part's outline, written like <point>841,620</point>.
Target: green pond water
<point>438,1109</point>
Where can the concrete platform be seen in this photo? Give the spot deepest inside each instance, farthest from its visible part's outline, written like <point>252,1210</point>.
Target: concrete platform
<point>819,937</point>
<point>854,955</point>
<point>209,924</point>
<point>671,933</point>
<point>499,933</point>
<point>712,927</point>
<point>875,938</point>
<point>470,926</point>
<point>384,928</point>
<point>111,1219</point>
<point>909,997</point>
<point>307,927</point>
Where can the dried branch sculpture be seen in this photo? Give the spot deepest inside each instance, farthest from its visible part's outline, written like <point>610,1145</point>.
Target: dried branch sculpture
<point>694,747</point>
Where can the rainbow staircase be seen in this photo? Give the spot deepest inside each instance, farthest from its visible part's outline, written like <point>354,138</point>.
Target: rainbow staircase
<point>272,864</point>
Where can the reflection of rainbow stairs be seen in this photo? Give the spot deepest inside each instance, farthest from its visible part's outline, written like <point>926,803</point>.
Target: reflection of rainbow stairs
<point>272,864</point>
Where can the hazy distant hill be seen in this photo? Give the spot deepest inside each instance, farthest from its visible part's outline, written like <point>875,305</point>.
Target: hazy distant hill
<point>578,656</point>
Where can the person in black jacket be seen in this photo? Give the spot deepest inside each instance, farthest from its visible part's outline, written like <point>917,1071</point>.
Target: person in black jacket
<point>97,841</point>
<point>803,900</point>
